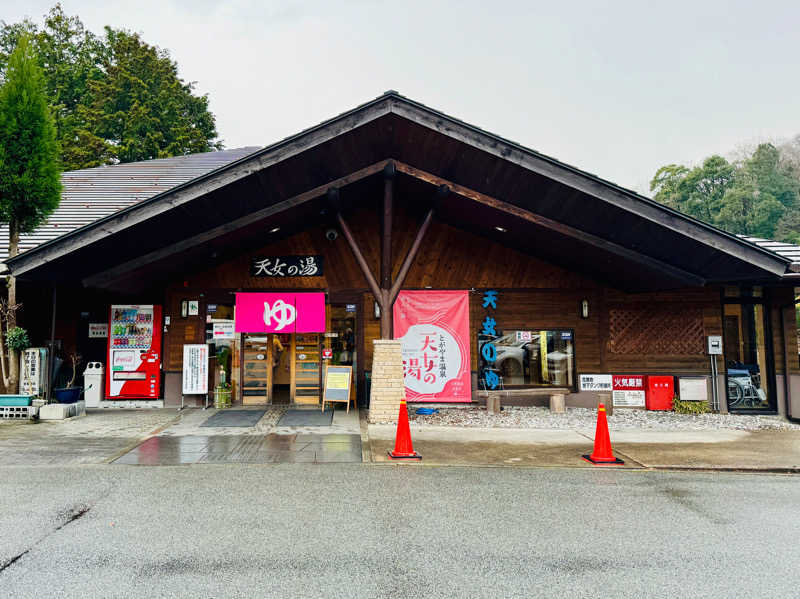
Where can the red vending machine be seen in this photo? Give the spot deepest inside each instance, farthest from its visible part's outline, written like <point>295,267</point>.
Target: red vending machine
<point>134,352</point>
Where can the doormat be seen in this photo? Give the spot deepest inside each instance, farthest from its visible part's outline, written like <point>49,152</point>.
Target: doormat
<point>235,418</point>
<point>306,418</point>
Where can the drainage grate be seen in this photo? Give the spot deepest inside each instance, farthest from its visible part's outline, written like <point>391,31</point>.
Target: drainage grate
<point>17,412</point>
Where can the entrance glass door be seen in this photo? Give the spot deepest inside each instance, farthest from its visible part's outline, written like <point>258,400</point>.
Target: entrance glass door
<point>340,340</point>
<point>256,369</point>
<point>306,368</point>
<point>746,357</point>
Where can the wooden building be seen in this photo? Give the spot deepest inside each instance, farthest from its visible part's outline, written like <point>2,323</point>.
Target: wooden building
<point>591,279</point>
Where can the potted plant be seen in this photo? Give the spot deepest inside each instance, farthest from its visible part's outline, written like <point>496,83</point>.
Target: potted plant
<point>70,393</point>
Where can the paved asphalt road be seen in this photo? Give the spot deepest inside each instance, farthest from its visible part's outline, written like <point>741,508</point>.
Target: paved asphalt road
<point>340,530</point>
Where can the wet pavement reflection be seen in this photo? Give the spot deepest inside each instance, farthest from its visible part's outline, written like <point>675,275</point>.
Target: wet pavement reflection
<point>252,449</point>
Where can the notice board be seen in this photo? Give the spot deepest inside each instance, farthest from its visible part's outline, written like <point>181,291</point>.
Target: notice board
<point>337,383</point>
<point>195,369</point>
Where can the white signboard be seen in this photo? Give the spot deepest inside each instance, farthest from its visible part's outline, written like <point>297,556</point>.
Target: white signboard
<point>595,382</point>
<point>195,369</point>
<point>194,307</point>
<point>628,399</point>
<point>223,330</point>
<point>693,388</point>
<point>98,330</point>
<point>524,336</point>
<point>31,374</point>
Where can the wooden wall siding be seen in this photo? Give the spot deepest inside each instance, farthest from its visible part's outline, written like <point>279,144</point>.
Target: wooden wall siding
<point>691,300</point>
<point>664,329</point>
<point>783,309</point>
<point>448,257</point>
<point>538,310</point>
<point>181,330</point>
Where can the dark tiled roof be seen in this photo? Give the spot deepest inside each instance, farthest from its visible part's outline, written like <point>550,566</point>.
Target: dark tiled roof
<point>787,250</point>
<point>93,193</point>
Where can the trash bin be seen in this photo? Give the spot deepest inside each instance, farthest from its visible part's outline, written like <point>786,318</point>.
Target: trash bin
<point>93,384</point>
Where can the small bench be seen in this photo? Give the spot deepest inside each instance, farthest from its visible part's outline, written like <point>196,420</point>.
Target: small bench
<point>493,399</point>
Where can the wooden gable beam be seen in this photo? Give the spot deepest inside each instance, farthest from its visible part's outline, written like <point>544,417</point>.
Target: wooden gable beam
<point>106,277</point>
<point>571,232</point>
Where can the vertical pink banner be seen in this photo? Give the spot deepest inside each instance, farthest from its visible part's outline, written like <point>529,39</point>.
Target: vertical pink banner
<point>434,328</point>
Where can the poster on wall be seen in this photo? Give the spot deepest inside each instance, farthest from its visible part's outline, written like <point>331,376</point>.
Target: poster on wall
<point>98,330</point>
<point>434,329</point>
<point>223,330</point>
<point>195,369</point>
<point>628,391</point>
<point>595,382</point>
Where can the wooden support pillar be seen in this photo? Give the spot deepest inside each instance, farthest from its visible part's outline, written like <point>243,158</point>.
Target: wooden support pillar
<point>386,292</point>
<point>51,357</point>
<point>386,250</point>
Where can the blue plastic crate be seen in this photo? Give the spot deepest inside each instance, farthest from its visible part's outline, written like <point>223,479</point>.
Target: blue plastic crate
<point>15,400</point>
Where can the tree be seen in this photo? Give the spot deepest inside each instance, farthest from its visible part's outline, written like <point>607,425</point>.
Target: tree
<point>757,195</point>
<point>30,183</point>
<point>141,108</point>
<point>697,192</point>
<point>114,97</point>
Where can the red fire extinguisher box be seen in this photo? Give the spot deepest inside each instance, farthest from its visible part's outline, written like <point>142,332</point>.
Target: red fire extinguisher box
<point>659,392</point>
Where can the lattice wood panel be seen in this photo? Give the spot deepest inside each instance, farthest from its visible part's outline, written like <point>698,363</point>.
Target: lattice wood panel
<point>673,330</point>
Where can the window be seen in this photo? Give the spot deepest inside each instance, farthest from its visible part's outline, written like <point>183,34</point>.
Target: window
<point>529,358</point>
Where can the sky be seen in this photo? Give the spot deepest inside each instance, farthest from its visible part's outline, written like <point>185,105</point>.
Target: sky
<point>616,88</point>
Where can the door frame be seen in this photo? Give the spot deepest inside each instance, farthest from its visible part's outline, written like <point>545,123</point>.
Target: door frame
<point>766,305</point>
<point>357,298</point>
<point>268,359</point>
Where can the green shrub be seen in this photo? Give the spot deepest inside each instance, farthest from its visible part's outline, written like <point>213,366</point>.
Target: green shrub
<point>689,407</point>
<point>17,339</point>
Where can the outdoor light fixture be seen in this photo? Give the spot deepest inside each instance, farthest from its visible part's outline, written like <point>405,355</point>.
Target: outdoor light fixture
<point>275,230</point>
<point>376,307</point>
<point>585,308</point>
<point>501,229</point>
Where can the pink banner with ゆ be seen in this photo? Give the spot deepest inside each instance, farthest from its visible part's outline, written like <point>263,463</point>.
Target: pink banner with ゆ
<point>280,313</point>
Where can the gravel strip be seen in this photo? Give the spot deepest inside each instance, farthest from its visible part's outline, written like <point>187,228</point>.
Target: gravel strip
<point>583,418</point>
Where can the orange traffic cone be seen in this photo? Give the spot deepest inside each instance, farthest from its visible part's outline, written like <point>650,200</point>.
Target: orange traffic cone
<point>602,454</point>
<point>403,448</point>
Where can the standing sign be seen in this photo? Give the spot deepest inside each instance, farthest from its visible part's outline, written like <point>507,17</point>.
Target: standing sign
<point>434,329</point>
<point>195,369</point>
<point>628,391</point>
<point>337,385</point>
<point>31,379</point>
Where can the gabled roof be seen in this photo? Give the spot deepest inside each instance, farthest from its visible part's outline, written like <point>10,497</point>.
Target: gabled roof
<point>93,193</point>
<point>549,209</point>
